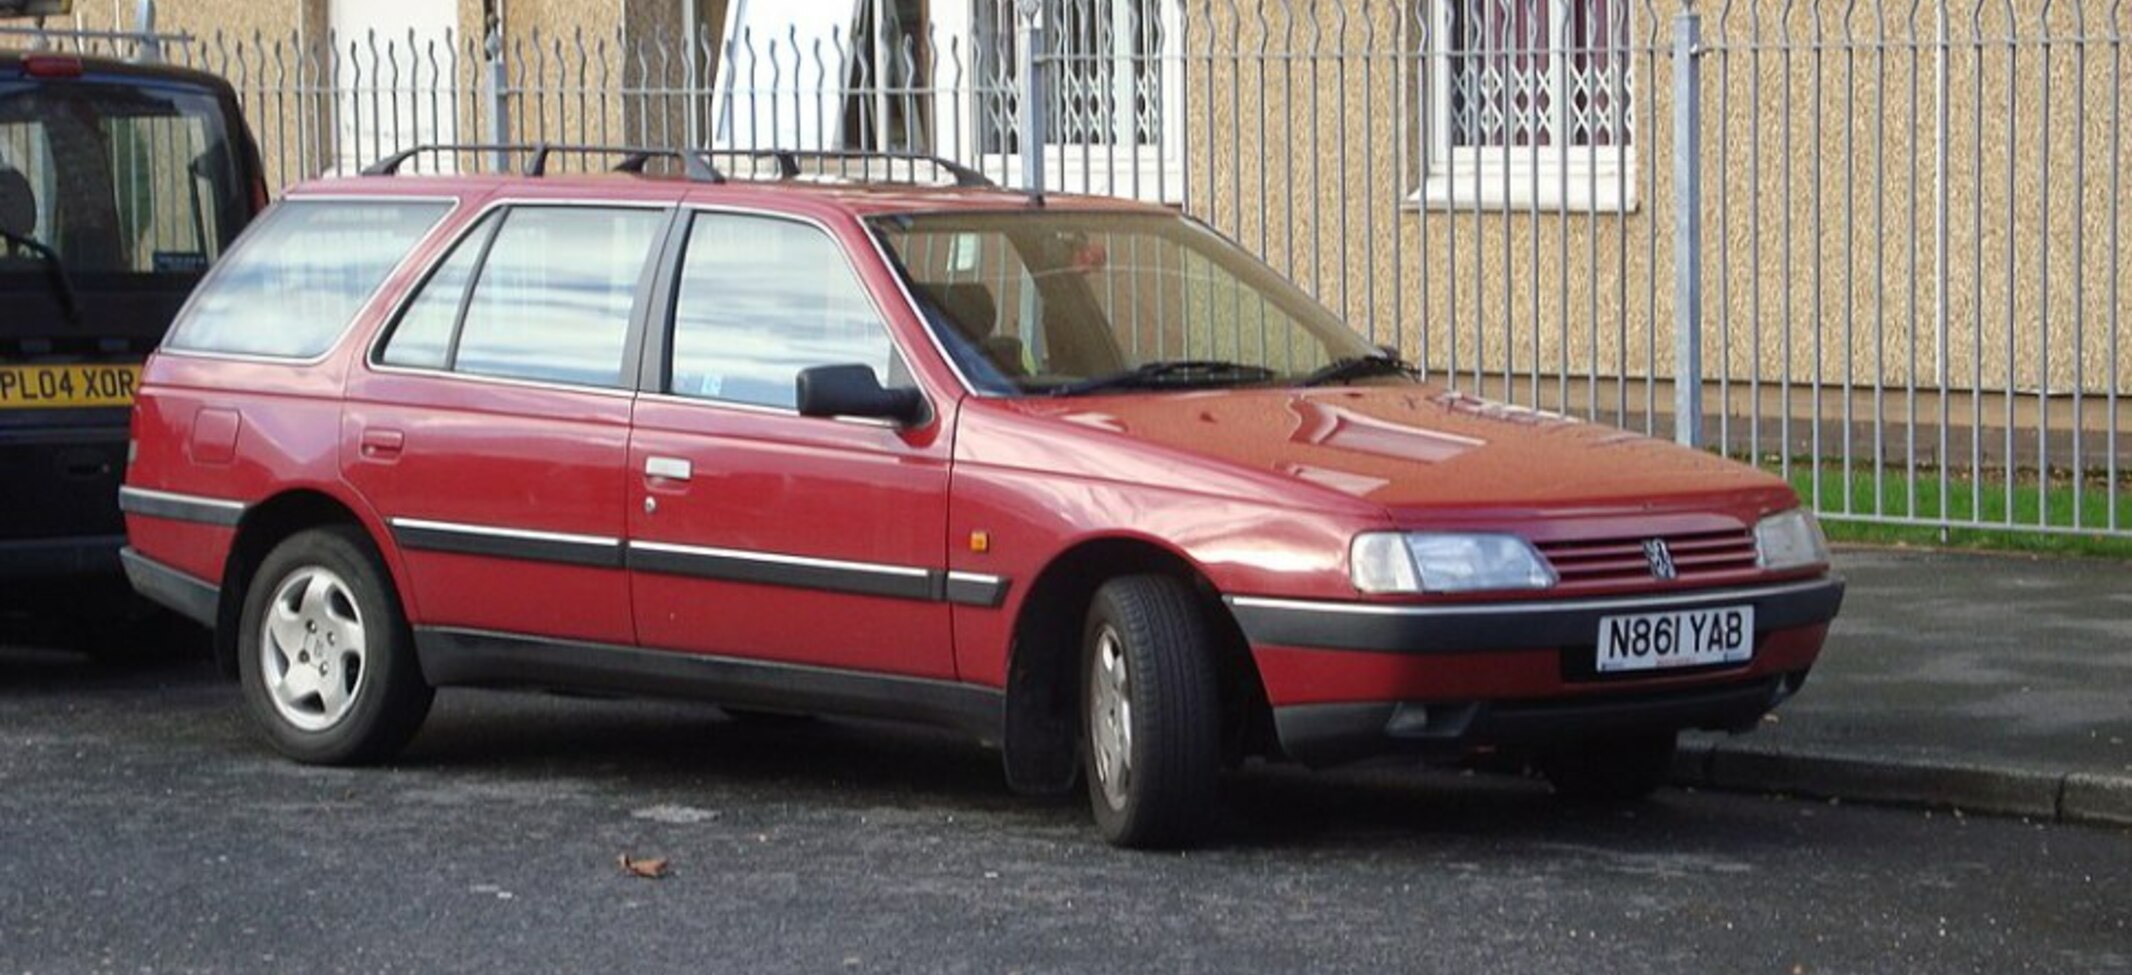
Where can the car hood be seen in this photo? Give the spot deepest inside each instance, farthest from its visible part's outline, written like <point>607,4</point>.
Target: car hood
<point>1422,450</point>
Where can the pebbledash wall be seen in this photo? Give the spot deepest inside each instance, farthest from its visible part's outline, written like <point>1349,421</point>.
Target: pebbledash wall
<point>1824,160</point>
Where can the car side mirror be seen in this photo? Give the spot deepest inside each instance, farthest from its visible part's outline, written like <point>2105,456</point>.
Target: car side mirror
<point>854,390</point>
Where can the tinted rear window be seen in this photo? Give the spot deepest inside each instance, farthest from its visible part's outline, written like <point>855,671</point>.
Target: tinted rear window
<point>299,277</point>
<point>126,179</point>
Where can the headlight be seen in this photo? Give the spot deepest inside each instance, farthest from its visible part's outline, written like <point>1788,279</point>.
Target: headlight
<point>1428,562</point>
<point>1789,540</point>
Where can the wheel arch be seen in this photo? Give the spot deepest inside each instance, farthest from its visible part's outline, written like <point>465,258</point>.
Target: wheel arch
<point>264,526</point>
<point>1041,724</point>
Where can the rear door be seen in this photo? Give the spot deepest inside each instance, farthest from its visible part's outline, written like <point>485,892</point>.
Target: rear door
<point>756,532</point>
<point>492,424</point>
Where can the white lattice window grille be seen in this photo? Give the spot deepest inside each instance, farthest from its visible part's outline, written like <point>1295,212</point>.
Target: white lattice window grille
<point>1115,120</point>
<point>1530,105</point>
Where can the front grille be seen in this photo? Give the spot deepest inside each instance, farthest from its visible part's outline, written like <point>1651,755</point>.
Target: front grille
<point>1697,557</point>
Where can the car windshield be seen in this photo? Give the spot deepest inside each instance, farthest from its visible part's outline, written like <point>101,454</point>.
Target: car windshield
<point>1058,302</point>
<point>121,179</point>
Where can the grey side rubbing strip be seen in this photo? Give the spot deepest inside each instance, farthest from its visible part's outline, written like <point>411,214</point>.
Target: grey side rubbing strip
<point>830,575</point>
<point>866,579</point>
<point>974,589</point>
<point>729,565</point>
<point>507,543</point>
<point>179,507</point>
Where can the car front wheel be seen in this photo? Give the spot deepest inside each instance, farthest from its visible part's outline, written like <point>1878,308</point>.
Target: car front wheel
<point>325,655</point>
<point>1152,720</point>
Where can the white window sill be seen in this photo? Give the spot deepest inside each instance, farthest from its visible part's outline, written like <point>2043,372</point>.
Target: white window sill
<point>1577,189</point>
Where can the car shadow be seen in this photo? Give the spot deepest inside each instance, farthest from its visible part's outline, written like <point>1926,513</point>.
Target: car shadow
<point>665,749</point>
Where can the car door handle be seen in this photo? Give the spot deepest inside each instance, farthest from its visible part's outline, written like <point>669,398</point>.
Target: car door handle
<point>668,468</point>
<point>382,444</point>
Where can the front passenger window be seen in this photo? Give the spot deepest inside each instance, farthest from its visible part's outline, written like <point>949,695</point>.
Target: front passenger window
<point>763,298</point>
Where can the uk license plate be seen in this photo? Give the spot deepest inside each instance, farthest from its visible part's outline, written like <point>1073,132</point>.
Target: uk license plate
<point>1681,638</point>
<point>69,385</point>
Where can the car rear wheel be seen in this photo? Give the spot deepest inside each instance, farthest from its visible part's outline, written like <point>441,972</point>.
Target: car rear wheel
<point>325,655</point>
<point>1611,769</point>
<point>1151,708</point>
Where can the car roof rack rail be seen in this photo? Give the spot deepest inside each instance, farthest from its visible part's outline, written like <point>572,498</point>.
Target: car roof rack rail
<point>789,160</point>
<point>634,158</point>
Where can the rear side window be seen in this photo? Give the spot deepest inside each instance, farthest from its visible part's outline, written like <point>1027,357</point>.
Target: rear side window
<point>423,337</point>
<point>300,275</point>
<point>553,299</point>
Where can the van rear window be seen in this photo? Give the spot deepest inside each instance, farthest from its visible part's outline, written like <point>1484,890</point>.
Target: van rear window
<point>297,278</point>
<point>123,178</point>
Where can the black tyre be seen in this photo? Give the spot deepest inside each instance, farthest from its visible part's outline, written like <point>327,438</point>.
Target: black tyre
<point>1612,769</point>
<point>325,655</point>
<point>1151,733</point>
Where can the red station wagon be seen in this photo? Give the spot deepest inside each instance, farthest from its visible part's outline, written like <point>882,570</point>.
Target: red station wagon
<point>1075,475</point>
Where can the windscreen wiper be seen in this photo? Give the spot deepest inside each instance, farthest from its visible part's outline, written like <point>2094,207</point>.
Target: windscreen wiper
<point>1358,367</point>
<point>55,269</point>
<point>1171,373</point>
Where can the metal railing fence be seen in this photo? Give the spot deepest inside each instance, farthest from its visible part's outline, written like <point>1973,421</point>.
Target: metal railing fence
<point>1876,245</point>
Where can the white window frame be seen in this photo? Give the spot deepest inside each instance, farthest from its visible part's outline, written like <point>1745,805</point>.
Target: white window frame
<point>1561,177</point>
<point>1151,172</point>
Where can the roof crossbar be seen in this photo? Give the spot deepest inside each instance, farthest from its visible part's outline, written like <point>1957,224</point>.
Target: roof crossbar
<point>634,158</point>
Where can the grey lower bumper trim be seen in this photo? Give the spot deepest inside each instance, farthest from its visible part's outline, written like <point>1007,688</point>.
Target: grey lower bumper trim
<point>1332,734</point>
<point>197,599</point>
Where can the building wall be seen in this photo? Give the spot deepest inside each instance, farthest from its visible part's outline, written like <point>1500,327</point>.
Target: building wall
<point>1311,161</point>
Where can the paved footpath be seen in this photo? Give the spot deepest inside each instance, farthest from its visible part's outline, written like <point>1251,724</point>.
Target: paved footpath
<point>1986,683</point>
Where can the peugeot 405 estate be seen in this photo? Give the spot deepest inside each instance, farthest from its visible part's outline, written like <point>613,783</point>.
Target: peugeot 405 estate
<point>804,433</point>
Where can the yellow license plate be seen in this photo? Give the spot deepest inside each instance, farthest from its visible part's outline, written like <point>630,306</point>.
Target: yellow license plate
<point>70,385</point>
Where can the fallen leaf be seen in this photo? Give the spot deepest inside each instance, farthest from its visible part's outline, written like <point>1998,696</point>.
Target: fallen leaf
<point>650,868</point>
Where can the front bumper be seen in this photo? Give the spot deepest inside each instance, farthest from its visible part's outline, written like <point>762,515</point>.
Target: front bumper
<point>1352,680</point>
<point>1469,627</point>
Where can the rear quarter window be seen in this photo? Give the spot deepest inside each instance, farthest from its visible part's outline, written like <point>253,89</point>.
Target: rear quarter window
<point>296,280</point>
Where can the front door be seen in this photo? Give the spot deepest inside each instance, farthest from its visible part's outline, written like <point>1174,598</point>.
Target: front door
<point>759,533</point>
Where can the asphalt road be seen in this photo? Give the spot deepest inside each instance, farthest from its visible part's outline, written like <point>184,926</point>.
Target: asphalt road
<point>144,829</point>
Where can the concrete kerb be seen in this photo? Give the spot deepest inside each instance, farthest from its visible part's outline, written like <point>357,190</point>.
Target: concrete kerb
<point>2067,797</point>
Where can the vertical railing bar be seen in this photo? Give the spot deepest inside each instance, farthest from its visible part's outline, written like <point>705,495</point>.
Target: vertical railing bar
<point>1513,48</point>
<point>1687,231</point>
<point>2013,136</point>
<point>1880,264</point>
<point>2117,494</point>
<point>1754,236</point>
<point>1784,389</point>
<point>2043,326</point>
<point>2080,265</point>
<point>1910,203</point>
<point>1850,257</point>
<point>1943,371</point>
<point>1814,455</point>
<point>1976,344</point>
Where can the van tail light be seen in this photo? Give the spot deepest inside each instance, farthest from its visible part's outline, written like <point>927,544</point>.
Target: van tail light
<point>259,194</point>
<point>51,66</point>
